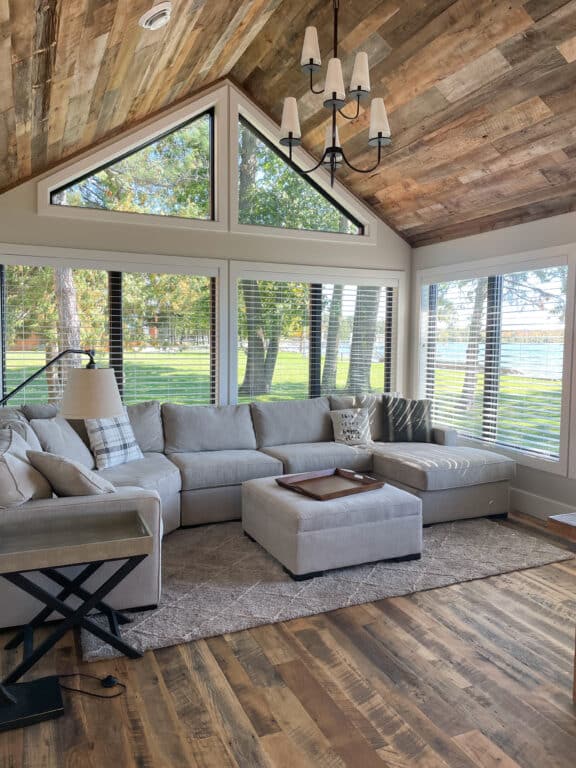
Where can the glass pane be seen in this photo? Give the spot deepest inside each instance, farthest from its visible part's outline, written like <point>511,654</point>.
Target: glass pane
<point>531,360</point>
<point>273,340</point>
<point>168,338</point>
<point>49,310</point>
<point>171,176</point>
<point>453,344</point>
<point>272,194</point>
<point>355,339</point>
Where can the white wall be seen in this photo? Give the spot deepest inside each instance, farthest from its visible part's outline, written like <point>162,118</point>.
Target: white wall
<point>535,491</point>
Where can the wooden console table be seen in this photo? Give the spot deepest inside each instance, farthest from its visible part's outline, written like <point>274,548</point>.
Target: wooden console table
<point>46,547</point>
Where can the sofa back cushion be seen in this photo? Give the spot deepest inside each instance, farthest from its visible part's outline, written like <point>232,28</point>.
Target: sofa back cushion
<point>57,436</point>
<point>146,421</point>
<point>292,421</point>
<point>191,428</point>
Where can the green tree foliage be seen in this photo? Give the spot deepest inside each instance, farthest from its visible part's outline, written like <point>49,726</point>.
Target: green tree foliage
<point>169,177</point>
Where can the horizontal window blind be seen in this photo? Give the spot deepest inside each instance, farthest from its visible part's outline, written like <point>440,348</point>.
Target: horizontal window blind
<point>168,338</point>
<point>298,339</point>
<point>493,350</point>
<point>48,310</point>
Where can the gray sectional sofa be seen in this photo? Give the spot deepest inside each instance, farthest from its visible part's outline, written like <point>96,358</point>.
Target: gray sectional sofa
<point>197,457</point>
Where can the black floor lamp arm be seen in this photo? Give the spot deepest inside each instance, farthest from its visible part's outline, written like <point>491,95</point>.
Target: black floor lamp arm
<point>91,364</point>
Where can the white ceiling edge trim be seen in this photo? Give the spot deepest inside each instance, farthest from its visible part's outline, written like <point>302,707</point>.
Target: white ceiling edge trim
<point>228,102</point>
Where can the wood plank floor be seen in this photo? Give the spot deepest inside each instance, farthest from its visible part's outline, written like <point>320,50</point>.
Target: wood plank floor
<point>476,674</point>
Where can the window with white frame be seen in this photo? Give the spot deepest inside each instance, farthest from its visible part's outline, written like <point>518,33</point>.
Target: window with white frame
<point>156,330</point>
<point>299,339</point>
<point>172,175</point>
<point>492,357</point>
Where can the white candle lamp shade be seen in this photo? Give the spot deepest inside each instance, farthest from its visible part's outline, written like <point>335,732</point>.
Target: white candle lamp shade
<point>310,60</point>
<point>91,393</point>
<point>360,81</point>
<point>330,145</point>
<point>379,134</point>
<point>334,90</point>
<point>290,133</point>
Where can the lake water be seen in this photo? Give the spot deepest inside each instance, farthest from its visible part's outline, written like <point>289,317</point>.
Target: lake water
<point>539,361</point>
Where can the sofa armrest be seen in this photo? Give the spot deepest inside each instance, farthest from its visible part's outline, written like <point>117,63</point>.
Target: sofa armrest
<point>127,499</point>
<point>445,436</point>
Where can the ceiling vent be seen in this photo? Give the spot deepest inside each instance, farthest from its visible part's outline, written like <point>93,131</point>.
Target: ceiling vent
<point>157,17</point>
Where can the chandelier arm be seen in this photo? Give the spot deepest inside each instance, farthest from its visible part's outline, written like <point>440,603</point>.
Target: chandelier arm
<point>364,170</point>
<point>302,170</point>
<point>352,117</point>
<point>312,85</point>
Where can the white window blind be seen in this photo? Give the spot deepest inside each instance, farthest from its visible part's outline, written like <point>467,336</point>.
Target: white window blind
<point>493,350</point>
<point>303,339</point>
<point>168,337</point>
<point>48,310</point>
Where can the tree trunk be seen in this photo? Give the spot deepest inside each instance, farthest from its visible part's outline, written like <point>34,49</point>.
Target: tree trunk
<point>332,339</point>
<point>68,323</point>
<point>254,376</point>
<point>473,348</point>
<point>363,338</point>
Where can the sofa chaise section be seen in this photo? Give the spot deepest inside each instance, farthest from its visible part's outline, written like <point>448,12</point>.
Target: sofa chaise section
<point>454,482</point>
<point>299,434</point>
<point>214,450</point>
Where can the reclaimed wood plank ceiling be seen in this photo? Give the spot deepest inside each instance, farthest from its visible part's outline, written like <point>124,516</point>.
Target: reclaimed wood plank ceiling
<point>481,93</point>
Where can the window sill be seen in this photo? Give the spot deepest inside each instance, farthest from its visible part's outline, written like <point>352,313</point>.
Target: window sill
<point>553,466</point>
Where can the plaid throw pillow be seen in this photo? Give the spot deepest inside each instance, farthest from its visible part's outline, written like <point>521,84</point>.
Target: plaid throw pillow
<point>112,441</point>
<point>406,421</point>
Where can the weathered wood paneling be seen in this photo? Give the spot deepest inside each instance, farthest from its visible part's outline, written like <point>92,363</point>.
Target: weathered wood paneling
<point>481,93</point>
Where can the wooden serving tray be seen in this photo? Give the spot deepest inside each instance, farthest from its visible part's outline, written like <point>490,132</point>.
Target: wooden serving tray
<point>329,483</point>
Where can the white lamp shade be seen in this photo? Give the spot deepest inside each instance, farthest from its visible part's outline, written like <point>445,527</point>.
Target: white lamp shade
<point>91,393</point>
<point>378,121</point>
<point>311,49</point>
<point>334,83</point>
<point>360,82</point>
<point>290,119</point>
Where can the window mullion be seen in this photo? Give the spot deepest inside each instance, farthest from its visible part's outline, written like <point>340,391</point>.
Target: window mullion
<point>492,358</point>
<point>115,327</point>
<point>315,341</point>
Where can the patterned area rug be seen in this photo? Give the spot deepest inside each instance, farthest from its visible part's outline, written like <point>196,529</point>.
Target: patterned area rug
<point>217,581</point>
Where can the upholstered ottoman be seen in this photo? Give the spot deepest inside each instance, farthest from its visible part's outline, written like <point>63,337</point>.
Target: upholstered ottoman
<point>309,537</point>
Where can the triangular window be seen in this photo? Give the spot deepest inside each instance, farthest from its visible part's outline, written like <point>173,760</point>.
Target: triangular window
<point>272,193</point>
<point>170,176</point>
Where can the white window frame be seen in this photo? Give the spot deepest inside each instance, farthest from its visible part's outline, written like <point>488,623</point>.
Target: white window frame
<point>529,260</point>
<point>241,106</point>
<point>43,256</point>
<point>216,99</point>
<point>240,270</point>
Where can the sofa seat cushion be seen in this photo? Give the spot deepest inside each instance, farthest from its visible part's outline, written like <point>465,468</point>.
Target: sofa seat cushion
<point>214,469</point>
<point>431,467</point>
<point>309,457</point>
<point>154,472</point>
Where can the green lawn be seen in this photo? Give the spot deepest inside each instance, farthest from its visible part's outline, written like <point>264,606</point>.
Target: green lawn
<point>185,378</point>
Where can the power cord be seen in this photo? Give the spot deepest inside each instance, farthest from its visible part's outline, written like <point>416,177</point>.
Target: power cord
<point>106,682</point>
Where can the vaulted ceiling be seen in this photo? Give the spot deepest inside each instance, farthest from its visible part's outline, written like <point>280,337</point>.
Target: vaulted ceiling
<point>481,93</point>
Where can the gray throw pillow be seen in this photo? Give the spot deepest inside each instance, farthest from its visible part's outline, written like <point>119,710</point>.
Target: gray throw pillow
<point>19,480</point>
<point>23,429</point>
<point>69,478</point>
<point>351,426</point>
<point>57,436</point>
<point>112,441</point>
<point>406,421</point>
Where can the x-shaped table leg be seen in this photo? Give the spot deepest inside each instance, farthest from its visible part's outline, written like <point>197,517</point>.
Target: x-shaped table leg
<point>73,617</point>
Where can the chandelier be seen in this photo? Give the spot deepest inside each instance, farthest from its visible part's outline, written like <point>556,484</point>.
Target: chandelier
<point>335,99</point>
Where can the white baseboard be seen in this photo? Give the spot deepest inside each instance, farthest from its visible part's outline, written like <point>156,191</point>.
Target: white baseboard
<point>537,506</point>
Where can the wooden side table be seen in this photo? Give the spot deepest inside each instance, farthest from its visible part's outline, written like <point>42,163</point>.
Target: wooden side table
<point>565,526</point>
<point>50,545</point>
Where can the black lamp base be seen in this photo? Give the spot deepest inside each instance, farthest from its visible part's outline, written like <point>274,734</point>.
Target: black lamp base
<point>34,702</point>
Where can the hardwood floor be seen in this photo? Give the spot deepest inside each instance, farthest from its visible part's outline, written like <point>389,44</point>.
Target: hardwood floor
<point>476,674</point>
